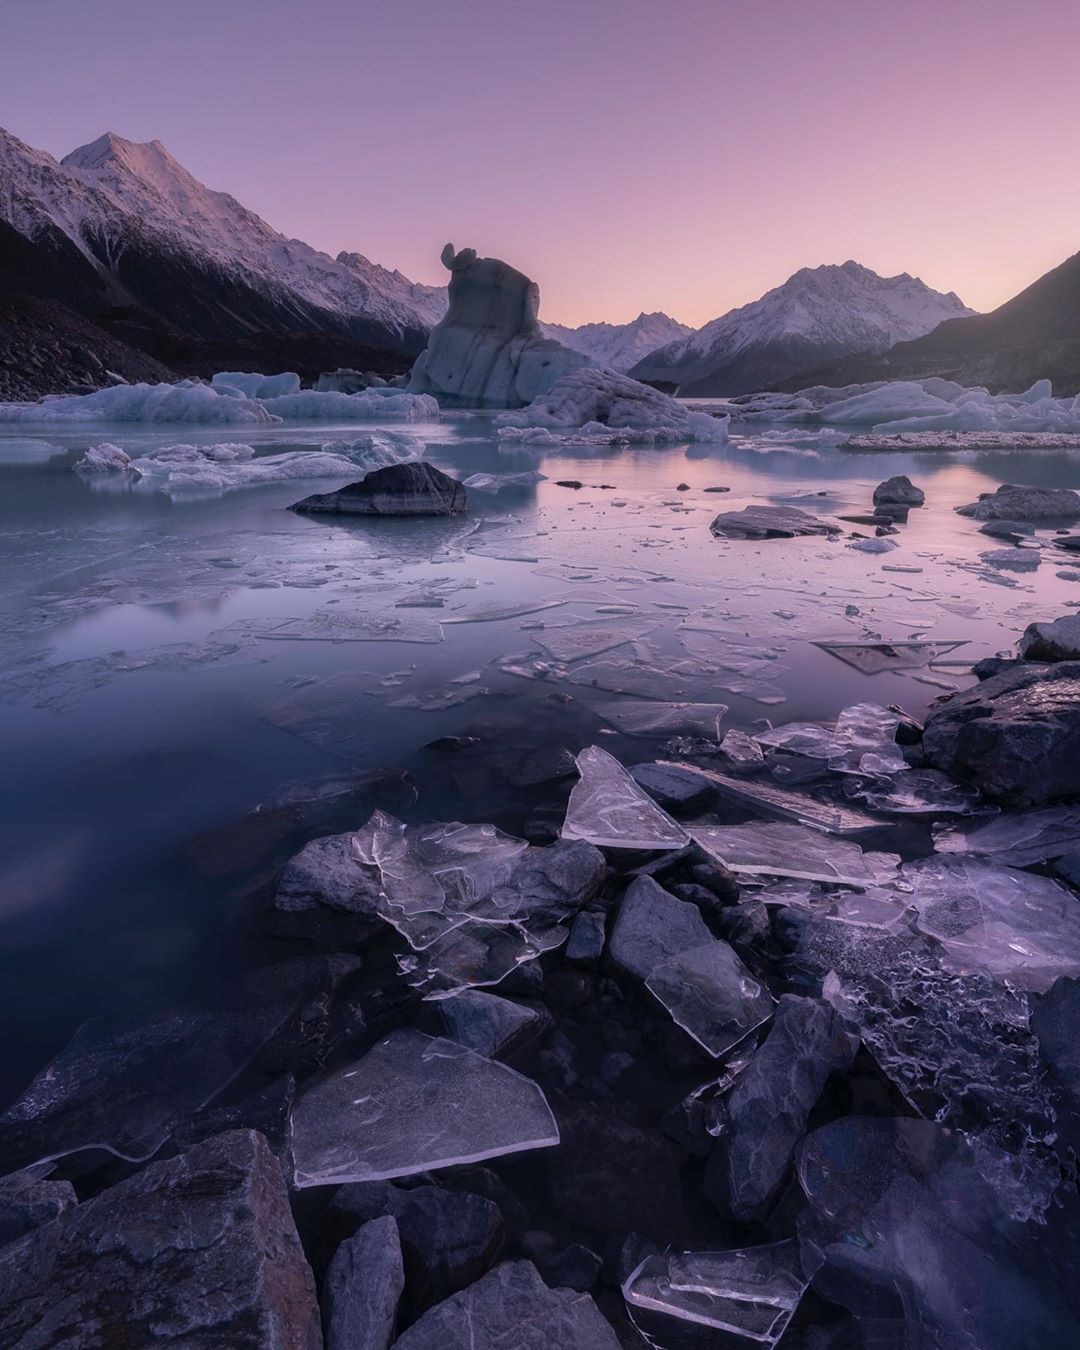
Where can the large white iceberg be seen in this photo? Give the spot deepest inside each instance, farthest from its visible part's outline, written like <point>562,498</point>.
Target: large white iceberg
<point>603,407</point>
<point>252,384</point>
<point>489,350</point>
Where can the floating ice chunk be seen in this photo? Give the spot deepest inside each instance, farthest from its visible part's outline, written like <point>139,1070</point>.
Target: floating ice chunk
<point>497,482</point>
<point>1016,839</point>
<point>608,808</point>
<point>211,470</point>
<point>613,404</point>
<point>106,458</point>
<point>744,1297</point>
<point>664,719</point>
<point>878,544</point>
<point>411,1104</point>
<point>255,385</point>
<point>784,850</point>
<point>711,994</point>
<point>574,642</point>
<point>1013,925</point>
<point>874,907</point>
<point>771,800</point>
<point>383,405</point>
<point>477,955</point>
<point>186,401</point>
<point>865,737</point>
<point>920,792</point>
<point>872,657</point>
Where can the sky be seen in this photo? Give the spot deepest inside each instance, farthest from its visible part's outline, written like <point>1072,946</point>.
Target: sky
<point>685,155</point>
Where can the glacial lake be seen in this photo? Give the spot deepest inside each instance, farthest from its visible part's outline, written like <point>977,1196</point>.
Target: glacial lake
<point>190,688</point>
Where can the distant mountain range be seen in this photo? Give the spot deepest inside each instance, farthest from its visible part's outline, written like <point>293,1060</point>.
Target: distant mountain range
<point>619,346</point>
<point>817,315</point>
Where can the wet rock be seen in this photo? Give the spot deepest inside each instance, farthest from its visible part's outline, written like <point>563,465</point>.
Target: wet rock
<point>1056,641</point>
<point>672,788</point>
<point>588,934</point>
<point>546,765</point>
<point>898,491</point>
<point>325,895</point>
<point>490,1025</point>
<point>266,1111</point>
<point>1011,502</point>
<point>569,483</point>
<point>448,1238</point>
<point>1055,1020</point>
<point>362,1288</point>
<point>416,488</point>
<point>769,522</point>
<point>994,665</point>
<point>511,1308</point>
<point>770,1103</point>
<point>1006,529</point>
<point>716,878</point>
<point>558,879</point>
<point>571,1267</point>
<point>650,926</point>
<point>745,925</point>
<point>27,1203</point>
<point>1015,736</point>
<point>198,1251</point>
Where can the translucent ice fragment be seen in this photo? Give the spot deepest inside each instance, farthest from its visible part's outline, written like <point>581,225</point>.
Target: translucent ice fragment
<point>663,719</point>
<point>573,642</point>
<point>1017,839</point>
<point>608,808</point>
<point>414,1103</point>
<point>471,955</point>
<point>771,800</point>
<point>919,792</point>
<point>711,994</point>
<point>873,657</point>
<point>784,850</point>
<point>865,742</point>
<point>747,1296</point>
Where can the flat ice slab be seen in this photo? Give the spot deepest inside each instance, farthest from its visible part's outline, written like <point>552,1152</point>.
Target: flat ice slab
<point>414,1103</point>
<point>608,808</point>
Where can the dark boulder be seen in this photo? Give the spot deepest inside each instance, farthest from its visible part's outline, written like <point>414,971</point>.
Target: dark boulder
<point>413,489</point>
<point>362,1288</point>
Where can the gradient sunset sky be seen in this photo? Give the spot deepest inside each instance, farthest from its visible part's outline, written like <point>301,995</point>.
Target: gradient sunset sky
<point>684,156</point>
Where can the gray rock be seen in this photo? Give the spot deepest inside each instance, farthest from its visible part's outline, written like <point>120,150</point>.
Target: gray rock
<point>490,1025</point>
<point>745,925</point>
<point>1006,529</point>
<point>512,1308</point>
<point>199,1251</point>
<point>362,1288</point>
<point>1011,502</point>
<point>898,491</point>
<point>994,665</point>
<point>546,765</point>
<point>563,1267</point>
<point>448,1238</point>
<point>326,895</point>
<point>652,925</point>
<point>1015,736</point>
<point>1055,1020</point>
<point>588,933</point>
<point>266,1111</point>
<point>27,1203</point>
<point>558,879</point>
<point>489,351</point>
<point>770,1103</point>
<point>1056,641</point>
<point>769,522</point>
<point>673,788</point>
<point>415,488</point>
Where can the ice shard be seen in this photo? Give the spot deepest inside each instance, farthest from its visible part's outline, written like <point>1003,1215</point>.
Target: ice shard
<point>1016,839</point>
<point>873,657</point>
<point>783,850</point>
<point>411,1104</point>
<point>608,808</point>
<point>770,799</point>
<point>644,718</point>
<point>711,994</point>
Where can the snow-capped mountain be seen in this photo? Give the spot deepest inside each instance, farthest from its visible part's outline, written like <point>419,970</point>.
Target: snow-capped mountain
<point>816,316</point>
<point>128,225</point>
<point>619,346</point>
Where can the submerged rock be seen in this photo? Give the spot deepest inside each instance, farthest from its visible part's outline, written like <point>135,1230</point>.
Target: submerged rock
<point>898,491</point>
<point>198,1251</point>
<point>769,522</point>
<point>413,489</point>
<point>651,925</point>
<point>362,1288</point>
<point>1011,502</point>
<point>489,351</point>
<point>1056,641</point>
<point>511,1308</point>
<point>1015,736</point>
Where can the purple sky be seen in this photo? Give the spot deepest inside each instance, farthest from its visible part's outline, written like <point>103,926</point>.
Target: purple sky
<point>684,155</point>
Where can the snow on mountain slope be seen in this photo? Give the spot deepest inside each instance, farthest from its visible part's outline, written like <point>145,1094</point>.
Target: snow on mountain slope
<point>147,224</point>
<point>619,346</point>
<point>818,314</point>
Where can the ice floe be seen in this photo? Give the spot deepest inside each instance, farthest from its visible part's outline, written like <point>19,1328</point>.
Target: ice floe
<point>608,808</point>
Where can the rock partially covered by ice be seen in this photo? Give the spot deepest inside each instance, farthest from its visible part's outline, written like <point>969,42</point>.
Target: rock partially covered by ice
<point>412,1104</point>
<point>1015,736</point>
<point>413,489</point>
<point>1056,641</point>
<point>105,458</point>
<point>488,351</point>
<point>1011,502</point>
<point>601,405</point>
<point>255,385</point>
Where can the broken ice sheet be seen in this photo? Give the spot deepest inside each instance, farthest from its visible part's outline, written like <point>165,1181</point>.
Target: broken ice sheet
<point>873,657</point>
<point>1012,925</point>
<point>330,715</point>
<point>414,1103</point>
<point>1016,839</point>
<point>573,642</point>
<point>784,850</point>
<point>919,792</point>
<point>865,742</point>
<point>608,808</point>
<point>494,611</point>
<point>663,719</point>
<point>772,800</point>
<point>475,955</point>
<point>346,624</point>
<point>874,907</point>
<point>746,1296</point>
<point>711,994</point>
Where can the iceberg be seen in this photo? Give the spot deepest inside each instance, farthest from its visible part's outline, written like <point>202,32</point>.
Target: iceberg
<point>489,351</point>
<point>414,1103</point>
<point>255,385</point>
<point>601,407</point>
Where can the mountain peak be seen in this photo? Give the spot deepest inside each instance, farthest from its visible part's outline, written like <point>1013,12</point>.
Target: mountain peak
<point>143,158</point>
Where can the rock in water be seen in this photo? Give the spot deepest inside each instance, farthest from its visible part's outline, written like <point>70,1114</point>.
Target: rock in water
<point>1015,736</point>
<point>488,351</point>
<point>1057,641</point>
<point>414,489</point>
<point>362,1288</point>
<point>197,1251</point>
<point>898,491</point>
<point>1011,502</point>
<point>769,522</point>
<point>511,1308</point>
